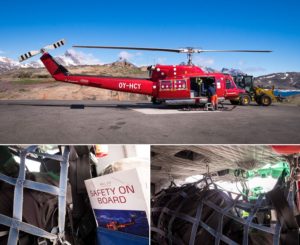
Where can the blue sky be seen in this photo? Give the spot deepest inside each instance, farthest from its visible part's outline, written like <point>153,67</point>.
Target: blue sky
<point>274,25</point>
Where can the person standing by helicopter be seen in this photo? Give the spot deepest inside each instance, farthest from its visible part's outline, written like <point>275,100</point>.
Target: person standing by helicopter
<point>212,95</point>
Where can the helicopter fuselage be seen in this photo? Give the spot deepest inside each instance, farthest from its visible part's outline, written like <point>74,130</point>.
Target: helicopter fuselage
<point>181,84</point>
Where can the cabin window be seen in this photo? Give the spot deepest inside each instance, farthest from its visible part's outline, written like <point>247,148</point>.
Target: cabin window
<point>180,84</point>
<point>166,85</point>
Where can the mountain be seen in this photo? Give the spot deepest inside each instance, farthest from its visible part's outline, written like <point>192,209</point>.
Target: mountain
<point>280,80</point>
<point>287,80</point>
<point>69,58</point>
<point>121,63</point>
<point>75,58</point>
<point>232,71</point>
<point>208,69</point>
<point>7,64</point>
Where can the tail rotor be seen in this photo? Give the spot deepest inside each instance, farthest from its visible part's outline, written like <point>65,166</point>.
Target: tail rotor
<point>30,54</point>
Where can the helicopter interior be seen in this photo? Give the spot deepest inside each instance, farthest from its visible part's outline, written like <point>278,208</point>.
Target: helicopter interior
<point>194,183</point>
<point>199,85</point>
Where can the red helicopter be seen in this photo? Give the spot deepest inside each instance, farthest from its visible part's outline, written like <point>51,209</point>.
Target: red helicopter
<point>115,225</point>
<point>171,84</point>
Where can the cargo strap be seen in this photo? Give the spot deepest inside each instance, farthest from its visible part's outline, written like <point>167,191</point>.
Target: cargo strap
<point>16,223</point>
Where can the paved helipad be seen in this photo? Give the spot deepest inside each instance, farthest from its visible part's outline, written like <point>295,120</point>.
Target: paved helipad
<point>35,122</point>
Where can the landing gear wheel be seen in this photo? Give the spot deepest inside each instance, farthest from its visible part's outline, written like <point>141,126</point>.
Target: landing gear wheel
<point>155,101</point>
<point>245,99</point>
<point>266,100</point>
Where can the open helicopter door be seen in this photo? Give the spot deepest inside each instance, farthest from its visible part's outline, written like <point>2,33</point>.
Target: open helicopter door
<point>199,85</point>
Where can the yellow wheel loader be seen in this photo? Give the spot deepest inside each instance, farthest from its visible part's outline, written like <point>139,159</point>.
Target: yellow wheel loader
<point>261,96</point>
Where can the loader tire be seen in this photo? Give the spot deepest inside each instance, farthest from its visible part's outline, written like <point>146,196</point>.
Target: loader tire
<point>266,100</point>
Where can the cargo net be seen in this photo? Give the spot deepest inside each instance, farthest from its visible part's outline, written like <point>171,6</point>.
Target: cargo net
<point>15,223</point>
<point>204,213</point>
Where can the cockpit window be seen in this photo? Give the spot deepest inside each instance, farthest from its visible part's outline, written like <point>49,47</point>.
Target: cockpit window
<point>229,84</point>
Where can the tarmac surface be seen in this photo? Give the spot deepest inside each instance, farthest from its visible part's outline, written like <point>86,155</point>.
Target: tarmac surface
<point>115,122</point>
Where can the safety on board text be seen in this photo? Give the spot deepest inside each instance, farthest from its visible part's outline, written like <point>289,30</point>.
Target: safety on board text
<point>113,195</point>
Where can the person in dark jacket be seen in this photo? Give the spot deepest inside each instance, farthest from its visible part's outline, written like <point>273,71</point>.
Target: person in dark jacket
<point>212,95</point>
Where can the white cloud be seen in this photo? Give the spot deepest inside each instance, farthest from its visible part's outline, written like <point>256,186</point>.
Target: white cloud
<point>85,58</point>
<point>203,61</point>
<point>124,55</point>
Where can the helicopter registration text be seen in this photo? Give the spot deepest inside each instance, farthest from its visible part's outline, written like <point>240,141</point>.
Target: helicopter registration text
<point>134,86</point>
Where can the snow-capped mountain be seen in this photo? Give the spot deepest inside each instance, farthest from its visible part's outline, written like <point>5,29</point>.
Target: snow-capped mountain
<point>280,80</point>
<point>7,64</point>
<point>233,71</point>
<point>208,69</point>
<point>69,58</point>
<point>75,58</point>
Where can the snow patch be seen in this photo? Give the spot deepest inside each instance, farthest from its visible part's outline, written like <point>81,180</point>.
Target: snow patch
<point>270,76</point>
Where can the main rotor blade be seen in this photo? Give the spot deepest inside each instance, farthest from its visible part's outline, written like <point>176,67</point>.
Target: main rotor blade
<point>132,48</point>
<point>248,51</point>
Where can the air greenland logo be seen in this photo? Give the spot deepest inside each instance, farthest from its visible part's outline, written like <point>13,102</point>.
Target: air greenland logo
<point>132,86</point>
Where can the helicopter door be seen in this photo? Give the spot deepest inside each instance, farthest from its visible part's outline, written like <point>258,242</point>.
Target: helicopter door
<point>196,87</point>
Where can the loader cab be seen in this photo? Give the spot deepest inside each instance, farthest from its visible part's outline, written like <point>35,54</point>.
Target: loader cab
<point>199,86</point>
<point>244,82</point>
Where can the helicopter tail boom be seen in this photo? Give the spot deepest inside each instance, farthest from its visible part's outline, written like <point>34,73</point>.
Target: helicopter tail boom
<point>124,84</point>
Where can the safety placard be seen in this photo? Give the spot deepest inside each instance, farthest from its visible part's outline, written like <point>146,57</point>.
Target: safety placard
<point>121,201</point>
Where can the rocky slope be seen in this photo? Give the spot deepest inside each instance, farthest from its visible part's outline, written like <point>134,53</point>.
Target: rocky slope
<point>287,80</point>
<point>280,80</point>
